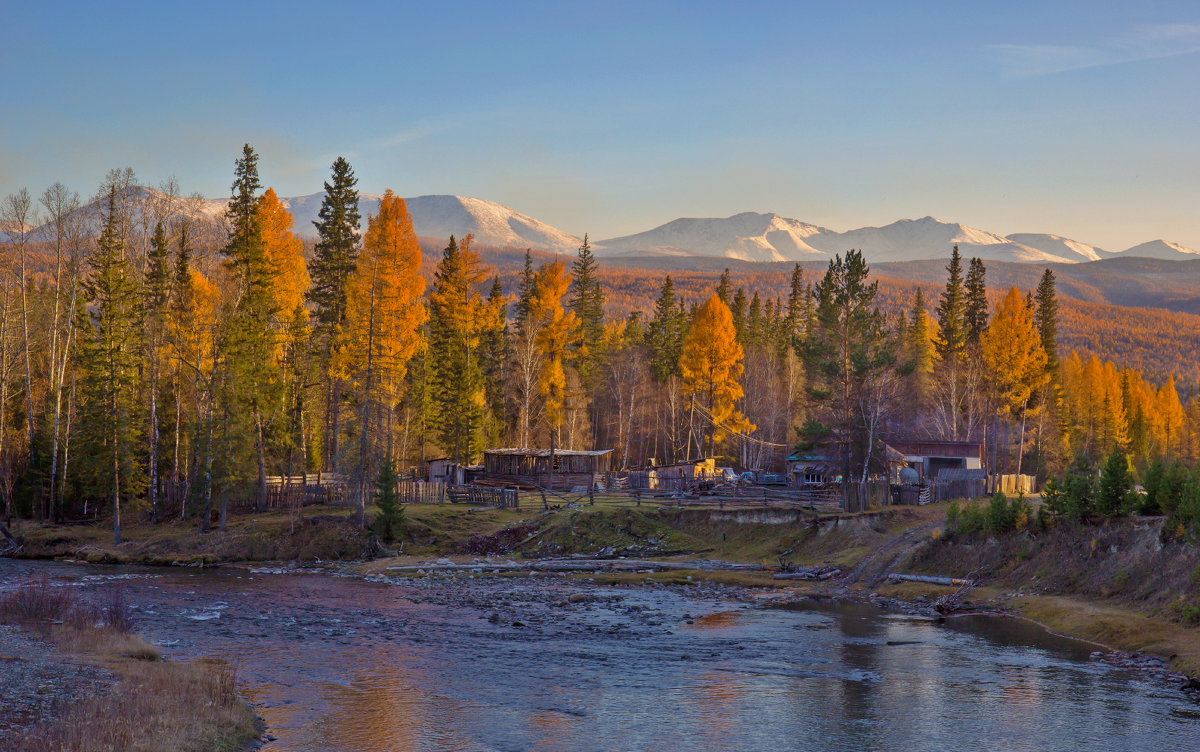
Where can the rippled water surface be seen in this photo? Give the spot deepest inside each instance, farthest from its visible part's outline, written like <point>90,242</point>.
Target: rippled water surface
<point>542,663</point>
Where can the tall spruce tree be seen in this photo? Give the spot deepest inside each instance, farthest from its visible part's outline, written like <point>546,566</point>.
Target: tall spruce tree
<point>458,315</point>
<point>157,295</point>
<point>110,354</point>
<point>975,309</point>
<point>587,301</point>
<point>853,357</point>
<point>665,334</point>
<point>336,252</point>
<point>1045,316</point>
<point>334,260</point>
<point>951,311</point>
<point>525,291</point>
<point>250,373</point>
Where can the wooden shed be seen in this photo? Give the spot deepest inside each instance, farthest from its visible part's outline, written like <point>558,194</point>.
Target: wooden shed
<point>564,468</point>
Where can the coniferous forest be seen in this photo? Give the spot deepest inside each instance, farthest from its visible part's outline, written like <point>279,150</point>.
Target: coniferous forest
<point>155,362</point>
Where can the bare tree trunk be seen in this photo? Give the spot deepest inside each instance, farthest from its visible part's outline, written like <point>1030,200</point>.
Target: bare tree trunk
<point>365,427</point>
<point>66,452</point>
<point>116,496</point>
<point>262,462</point>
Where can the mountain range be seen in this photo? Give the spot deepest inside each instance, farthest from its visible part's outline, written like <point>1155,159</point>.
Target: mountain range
<point>748,236</point>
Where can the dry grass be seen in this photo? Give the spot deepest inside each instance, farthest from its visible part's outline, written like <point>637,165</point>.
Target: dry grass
<point>1116,627</point>
<point>155,705</point>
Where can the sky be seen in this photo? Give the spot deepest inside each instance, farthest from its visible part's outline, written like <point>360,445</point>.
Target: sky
<point>1079,119</point>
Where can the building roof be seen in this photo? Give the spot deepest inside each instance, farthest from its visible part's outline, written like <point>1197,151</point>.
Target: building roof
<point>514,451</point>
<point>939,448</point>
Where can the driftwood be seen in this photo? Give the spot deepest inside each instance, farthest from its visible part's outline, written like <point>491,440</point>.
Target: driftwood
<point>957,581</point>
<point>808,573</point>
<point>13,543</point>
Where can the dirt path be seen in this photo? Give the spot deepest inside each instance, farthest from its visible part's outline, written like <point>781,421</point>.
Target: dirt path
<point>872,570</point>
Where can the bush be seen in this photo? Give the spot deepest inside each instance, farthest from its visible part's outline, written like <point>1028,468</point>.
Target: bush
<point>999,515</point>
<point>1073,498</point>
<point>1115,496</point>
<point>389,523</point>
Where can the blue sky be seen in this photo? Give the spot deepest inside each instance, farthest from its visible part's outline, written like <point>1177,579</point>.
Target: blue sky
<point>1081,119</point>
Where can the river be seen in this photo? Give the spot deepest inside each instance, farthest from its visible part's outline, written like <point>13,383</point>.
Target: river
<point>545,663</point>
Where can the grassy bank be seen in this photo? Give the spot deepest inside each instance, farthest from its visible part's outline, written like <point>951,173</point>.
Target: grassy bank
<point>1122,584</point>
<point>152,705</point>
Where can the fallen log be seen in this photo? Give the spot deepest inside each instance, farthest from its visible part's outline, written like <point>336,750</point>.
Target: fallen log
<point>817,573</point>
<point>958,581</point>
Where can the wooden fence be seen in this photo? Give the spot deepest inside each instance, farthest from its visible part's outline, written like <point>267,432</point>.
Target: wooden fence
<point>1015,484</point>
<point>422,492</point>
<point>305,490</point>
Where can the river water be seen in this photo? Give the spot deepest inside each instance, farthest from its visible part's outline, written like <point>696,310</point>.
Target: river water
<point>545,663</point>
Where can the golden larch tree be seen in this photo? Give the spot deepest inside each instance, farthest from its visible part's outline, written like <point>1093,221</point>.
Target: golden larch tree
<point>710,363</point>
<point>384,314</point>
<point>1015,360</point>
<point>285,255</point>
<point>558,329</point>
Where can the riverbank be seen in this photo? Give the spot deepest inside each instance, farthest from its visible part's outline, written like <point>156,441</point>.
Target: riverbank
<point>1119,585</point>
<point>77,678</point>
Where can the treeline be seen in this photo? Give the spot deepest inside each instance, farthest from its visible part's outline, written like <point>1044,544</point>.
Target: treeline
<point>163,364</point>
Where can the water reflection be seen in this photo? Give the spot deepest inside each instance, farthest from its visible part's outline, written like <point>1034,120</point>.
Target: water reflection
<point>457,664</point>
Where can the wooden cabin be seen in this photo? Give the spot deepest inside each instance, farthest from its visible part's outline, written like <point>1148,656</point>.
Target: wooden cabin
<point>564,469</point>
<point>930,458</point>
<point>823,466</point>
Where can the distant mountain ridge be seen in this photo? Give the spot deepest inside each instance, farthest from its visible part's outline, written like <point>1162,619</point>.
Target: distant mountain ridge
<point>748,236</point>
<point>771,237</point>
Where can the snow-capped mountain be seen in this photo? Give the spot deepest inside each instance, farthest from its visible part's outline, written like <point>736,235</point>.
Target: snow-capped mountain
<point>437,217</point>
<point>1160,249</point>
<point>913,239</point>
<point>770,237</point>
<point>1056,245</point>
<point>748,236</point>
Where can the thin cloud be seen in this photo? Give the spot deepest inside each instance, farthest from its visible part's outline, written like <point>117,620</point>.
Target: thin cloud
<point>1142,43</point>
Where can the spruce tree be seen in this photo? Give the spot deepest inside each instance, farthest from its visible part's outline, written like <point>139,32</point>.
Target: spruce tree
<point>976,305</point>
<point>337,247</point>
<point>249,367</point>
<point>665,334</point>
<point>723,287</point>
<point>334,261</point>
<point>587,302</point>
<point>110,350</point>
<point>458,316</point>
<point>156,295</point>
<point>852,354</point>
<point>739,308</point>
<point>1046,318</point>
<point>389,524</point>
<point>525,291</point>
<point>951,312</point>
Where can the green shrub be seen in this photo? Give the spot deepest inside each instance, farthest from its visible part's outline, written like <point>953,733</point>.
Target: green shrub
<point>389,523</point>
<point>1115,496</point>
